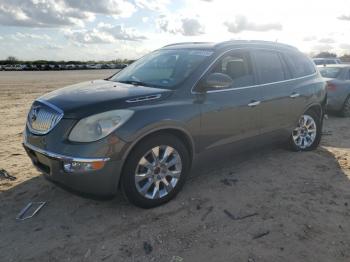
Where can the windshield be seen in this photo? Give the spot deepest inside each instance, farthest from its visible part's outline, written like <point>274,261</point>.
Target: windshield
<point>162,68</point>
<point>330,72</point>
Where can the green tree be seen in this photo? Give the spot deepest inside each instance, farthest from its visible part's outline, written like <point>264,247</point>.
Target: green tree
<point>325,55</point>
<point>12,60</point>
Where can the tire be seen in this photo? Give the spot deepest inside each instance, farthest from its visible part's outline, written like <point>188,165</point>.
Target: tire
<point>345,112</point>
<point>311,139</point>
<point>142,170</point>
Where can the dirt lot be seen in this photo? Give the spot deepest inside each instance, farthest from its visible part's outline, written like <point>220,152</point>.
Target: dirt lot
<point>271,205</point>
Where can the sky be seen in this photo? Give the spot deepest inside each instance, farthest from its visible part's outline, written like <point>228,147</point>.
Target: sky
<point>110,29</point>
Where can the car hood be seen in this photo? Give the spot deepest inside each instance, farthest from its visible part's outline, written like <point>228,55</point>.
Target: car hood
<point>97,96</point>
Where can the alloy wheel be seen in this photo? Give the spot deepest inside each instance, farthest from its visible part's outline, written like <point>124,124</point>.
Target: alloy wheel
<point>158,171</point>
<point>305,133</point>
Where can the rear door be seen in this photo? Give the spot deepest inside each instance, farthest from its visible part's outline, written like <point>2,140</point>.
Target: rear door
<point>286,91</point>
<point>276,110</point>
<point>231,114</point>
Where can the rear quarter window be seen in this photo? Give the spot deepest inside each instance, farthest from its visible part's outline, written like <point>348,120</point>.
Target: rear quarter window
<point>299,64</point>
<point>269,66</point>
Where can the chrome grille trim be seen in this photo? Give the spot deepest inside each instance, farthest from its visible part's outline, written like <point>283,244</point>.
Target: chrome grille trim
<point>45,119</point>
<point>64,157</point>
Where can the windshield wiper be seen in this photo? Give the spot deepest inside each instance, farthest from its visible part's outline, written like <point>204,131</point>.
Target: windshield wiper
<point>135,83</point>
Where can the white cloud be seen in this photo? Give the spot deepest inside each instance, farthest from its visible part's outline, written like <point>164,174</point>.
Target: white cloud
<point>88,23</point>
<point>153,5</point>
<point>180,25</point>
<point>110,7</point>
<point>309,38</point>
<point>191,27</point>
<point>326,41</point>
<point>53,47</point>
<point>104,34</point>
<point>322,48</point>
<point>57,13</point>
<point>241,23</point>
<point>344,17</point>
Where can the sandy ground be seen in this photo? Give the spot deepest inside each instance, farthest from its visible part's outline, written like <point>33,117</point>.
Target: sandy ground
<point>271,205</point>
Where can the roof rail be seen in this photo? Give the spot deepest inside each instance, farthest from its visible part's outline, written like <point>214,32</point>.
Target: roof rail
<point>189,43</point>
<point>253,42</point>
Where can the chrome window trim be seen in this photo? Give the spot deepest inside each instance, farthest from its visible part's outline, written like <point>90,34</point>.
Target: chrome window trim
<point>64,157</point>
<point>58,110</point>
<point>244,87</point>
<point>272,83</point>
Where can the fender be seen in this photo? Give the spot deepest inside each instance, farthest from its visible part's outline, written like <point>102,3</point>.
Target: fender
<point>158,127</point>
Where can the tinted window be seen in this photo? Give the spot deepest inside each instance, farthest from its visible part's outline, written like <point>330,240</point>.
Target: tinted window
<point>238,66</point>
<point>319,62</point>
<point>269,66</point>
<point>299,64</point>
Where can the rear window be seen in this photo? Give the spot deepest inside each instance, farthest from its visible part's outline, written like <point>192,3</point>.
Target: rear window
<point>330,72</point>
<point>319,62</point>
<point>269,66</point>
<point>299,64</point>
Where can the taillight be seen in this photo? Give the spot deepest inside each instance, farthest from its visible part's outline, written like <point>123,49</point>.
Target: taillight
<point>331,87</point>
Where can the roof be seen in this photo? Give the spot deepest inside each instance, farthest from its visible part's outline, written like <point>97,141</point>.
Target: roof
<point>335,65</point>
<point>227,44</point>
<point>323,58</point>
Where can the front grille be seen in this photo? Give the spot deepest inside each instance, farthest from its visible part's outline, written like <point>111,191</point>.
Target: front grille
<point>43,117</point>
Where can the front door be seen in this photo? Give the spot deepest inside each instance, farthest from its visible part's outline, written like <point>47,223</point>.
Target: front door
<point>231,114</point>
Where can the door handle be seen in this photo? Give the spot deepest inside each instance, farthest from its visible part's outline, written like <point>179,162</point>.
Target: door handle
<point>254,103</point>
<point>294,95</point>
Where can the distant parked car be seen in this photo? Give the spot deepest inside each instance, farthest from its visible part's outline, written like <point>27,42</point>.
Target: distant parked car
<point>326,61</point>
<point>338,88</point>
<point>33,67</point>
<point>70,67</point>
<point>141,129</point>
<point>12,67</point>
<point>120,66</point>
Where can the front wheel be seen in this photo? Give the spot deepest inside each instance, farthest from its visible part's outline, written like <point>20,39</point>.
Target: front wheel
<point>307,135</point>
<point>155,171</point>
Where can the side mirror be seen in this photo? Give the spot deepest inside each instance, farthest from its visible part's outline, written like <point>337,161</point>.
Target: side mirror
<point>218,81</point>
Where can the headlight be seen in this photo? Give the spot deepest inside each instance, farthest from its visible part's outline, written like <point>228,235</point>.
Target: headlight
<point>98,126</point>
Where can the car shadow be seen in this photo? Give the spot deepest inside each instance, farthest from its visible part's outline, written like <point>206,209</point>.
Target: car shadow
<point>270,204</point>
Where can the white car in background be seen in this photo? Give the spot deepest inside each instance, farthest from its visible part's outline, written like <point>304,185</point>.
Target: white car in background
<point>327,61</point>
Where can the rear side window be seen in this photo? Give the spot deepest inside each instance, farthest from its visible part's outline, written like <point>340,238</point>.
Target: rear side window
<point>269,66</point>
<point>299,64</point>
<point>330,72</point>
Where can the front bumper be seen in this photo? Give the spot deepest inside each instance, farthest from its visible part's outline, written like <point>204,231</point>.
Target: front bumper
<point>102,182</point>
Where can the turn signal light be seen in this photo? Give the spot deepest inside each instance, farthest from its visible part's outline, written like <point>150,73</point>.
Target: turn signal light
<point>76,167</point>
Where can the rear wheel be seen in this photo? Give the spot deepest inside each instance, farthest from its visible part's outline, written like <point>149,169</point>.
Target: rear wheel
<point>346,108</point>
<point>155,171</point>
<point>307,135</point>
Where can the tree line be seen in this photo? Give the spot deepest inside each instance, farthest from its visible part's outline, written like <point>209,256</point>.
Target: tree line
<point>344,58</point>
<point>12,60</point>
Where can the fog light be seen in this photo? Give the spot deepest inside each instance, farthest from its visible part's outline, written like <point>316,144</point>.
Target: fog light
<point>75,167</point>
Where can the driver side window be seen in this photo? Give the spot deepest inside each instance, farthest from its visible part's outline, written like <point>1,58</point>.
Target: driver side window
<point>238,66</point>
